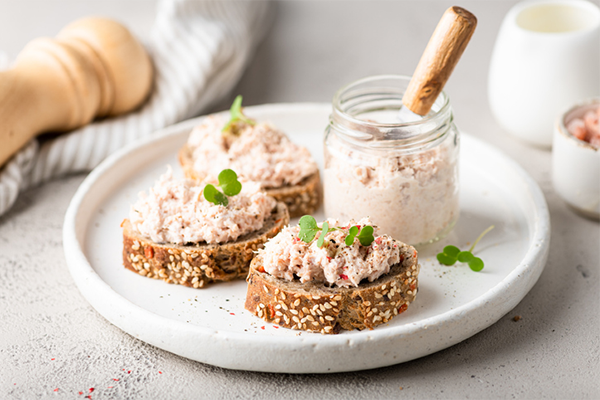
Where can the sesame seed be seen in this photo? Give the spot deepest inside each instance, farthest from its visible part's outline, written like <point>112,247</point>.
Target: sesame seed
<point>171,258</point>
<point>276,291</point>
<point>409,292</point>
<point>310,318</point>
<point>283,295</point>
<point>383,287</point>
<point>336,310</point>
<point>328,328</point>
<point>395,311</point>
<point>277,320</point>
<point>378,295</point>
<point>316,297</point>
<point>261,305</point>
<point>305,310</point>
<point>315,323</point>
<point>194,280</point>
<point>376,318</point>
<point>367,303</point>
<point>329,318</point>
<point>370,313</point>
<point>266,290</point>
<point>278,313</point>
<point>319,312</point>
<point>195,285</point>
<point>278,306</point>
<point>374,310</point>
<point>294,312</point>
<point>334,303</point>
<point>327,306</point>
<point>297,303</point>
<point>287,319</point>
<point>295,319</point>
<point>322,307</point>
<point>284,306</point>
<point>338,298</point>
<point>322,320</point>
<point>143,272</point>
<point>407,273</point>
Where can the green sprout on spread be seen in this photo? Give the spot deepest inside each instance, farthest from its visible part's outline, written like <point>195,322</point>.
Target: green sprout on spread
<point>236,115</point>
<point>451,254</point>
<point>309,228</point>
<point>228,183</point>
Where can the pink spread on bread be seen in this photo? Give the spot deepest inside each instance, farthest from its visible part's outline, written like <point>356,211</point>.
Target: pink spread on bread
<point>259,153</point>
<point>175,211</point>
<point>286,256</point>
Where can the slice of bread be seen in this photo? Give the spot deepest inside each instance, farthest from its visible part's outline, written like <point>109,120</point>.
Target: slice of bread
<point>300,199</point>
<point>315,307</point>
<point>196,265</point>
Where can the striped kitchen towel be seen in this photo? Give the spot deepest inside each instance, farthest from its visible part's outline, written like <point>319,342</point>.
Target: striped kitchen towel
<point>199,50</point>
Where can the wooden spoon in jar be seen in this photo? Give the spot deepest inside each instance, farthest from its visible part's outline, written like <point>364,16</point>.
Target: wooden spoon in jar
<point>441,55</point>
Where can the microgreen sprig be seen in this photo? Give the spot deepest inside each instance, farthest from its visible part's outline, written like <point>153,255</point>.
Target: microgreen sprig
<point>236,115</point>
<point>451,254</point>
<point>309,228</point>
<point>228,183</point>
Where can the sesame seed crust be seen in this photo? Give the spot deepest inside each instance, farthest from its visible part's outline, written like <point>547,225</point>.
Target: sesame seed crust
<point>300,199</point>
<point>199,264</point>
<point>328,310</point>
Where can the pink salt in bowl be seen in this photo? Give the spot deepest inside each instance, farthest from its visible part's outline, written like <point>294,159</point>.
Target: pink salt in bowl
<point>576,162</point>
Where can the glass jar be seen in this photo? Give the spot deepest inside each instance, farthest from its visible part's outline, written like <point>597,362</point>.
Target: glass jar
<point>404,176</point>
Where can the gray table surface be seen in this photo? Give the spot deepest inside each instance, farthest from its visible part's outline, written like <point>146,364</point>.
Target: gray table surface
<point>51,338</point>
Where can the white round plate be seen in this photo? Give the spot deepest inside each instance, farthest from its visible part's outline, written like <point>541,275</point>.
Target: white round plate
<point>210,325</point>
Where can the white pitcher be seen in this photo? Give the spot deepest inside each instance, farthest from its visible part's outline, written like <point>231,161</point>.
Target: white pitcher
<point>546,58</point>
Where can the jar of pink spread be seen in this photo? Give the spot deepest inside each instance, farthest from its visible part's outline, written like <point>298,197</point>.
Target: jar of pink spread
<point>404,176</point>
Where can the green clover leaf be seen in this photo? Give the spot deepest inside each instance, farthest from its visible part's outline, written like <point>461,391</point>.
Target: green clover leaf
<point>324,231</point>
<point>214,196</point>
<point>352,232</point>
<point>308,228</point>
<point>229,183</point>
<point>365,237</point>
<point>236,115</point>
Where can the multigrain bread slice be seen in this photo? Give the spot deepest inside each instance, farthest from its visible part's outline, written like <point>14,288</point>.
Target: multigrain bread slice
<point>315,307</point>
<point>196,265</point>
<point>300,199</point>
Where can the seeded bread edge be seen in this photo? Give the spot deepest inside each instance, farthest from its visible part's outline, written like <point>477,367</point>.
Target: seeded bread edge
<point>315,307</point>
<point>199,264</point>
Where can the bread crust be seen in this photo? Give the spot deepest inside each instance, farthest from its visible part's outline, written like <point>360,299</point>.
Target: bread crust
<point>315,307</point>
<point>300,199</point>
<point>197,265</point>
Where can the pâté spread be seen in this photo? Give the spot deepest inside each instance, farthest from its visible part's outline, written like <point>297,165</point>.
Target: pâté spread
<point>174,211</point>
<point>403,175</point>
<point>287,257</point>
<point>260,153</point>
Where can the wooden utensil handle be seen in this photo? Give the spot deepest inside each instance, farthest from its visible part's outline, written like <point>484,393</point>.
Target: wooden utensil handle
<point>443,51</point>
<point>93,68</point>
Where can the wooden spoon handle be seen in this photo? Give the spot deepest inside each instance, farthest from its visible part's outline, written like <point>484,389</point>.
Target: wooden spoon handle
<point>443,51</point>
<point>93,68</point>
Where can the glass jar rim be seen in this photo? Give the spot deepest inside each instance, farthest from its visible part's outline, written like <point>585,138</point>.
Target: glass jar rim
<point>443,109</point>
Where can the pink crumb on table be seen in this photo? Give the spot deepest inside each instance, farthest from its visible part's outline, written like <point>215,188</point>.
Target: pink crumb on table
<point>587,128</point>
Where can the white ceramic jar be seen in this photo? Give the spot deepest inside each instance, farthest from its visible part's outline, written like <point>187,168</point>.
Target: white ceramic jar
<point>546,57</point>
<point>576,164</point>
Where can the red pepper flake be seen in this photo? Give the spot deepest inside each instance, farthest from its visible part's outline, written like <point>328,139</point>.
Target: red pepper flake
<point>52,359</point>
<point>80,392</point>
<point>231,313</point>
<point>328,258</point>
<point>89,396</point>
<point>148,252</point>
<point>262,327</point>
<point>415,254</point>
<point>91,390</point>
<point>261,269</point>
<point>413,286</point>
<point>110,387</point>
<point>378,240</point>
<point>402,308</point>
<point>129,371</point>
<point>274,326</point>
<point>56,390</point>
<point>344,277</point>
<point>116,379</point>
<point>160,372</point>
